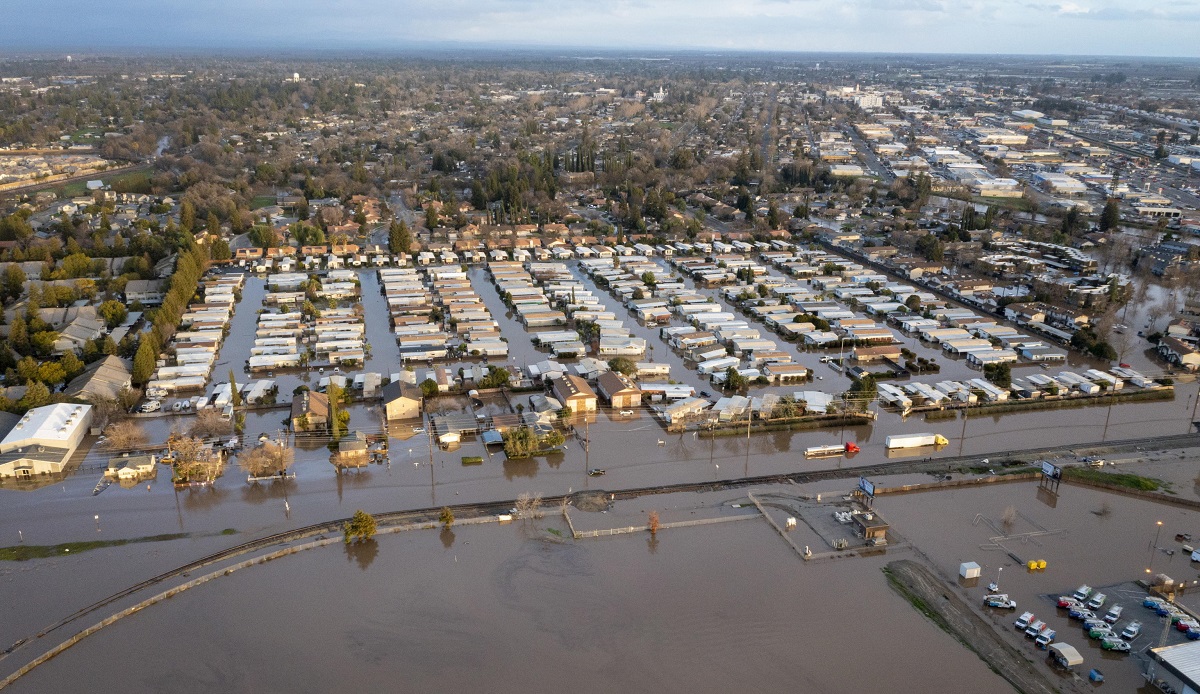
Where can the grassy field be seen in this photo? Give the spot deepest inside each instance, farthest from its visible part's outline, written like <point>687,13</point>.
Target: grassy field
<point>76,188</point>
<point>260,201</point>
<point>26,552</point>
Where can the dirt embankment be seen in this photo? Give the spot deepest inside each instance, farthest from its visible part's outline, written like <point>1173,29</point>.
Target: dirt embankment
<point>927,593</point>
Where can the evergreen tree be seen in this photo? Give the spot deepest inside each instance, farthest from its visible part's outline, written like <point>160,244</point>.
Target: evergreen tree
<point>144,360</point>
<point>399,237</point>
<point>1111,216</point>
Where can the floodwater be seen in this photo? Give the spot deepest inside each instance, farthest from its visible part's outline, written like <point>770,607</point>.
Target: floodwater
<point>1084,535</point>
<point>635,452</point>
<point>514,608</point>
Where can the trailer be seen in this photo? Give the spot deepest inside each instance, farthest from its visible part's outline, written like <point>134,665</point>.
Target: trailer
<point>832,449</point>
<point>915,440</point>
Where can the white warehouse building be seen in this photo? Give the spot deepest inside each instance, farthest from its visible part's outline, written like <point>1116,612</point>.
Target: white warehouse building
<point>43,440</point>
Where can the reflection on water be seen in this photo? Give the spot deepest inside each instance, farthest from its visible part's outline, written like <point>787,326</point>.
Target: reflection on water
<point>362,553</point>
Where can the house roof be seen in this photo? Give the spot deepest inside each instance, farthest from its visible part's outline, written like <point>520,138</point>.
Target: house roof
<point>568,387</point>
<point>612,383</point>
<point>398,389</point>
<point>311,403</point>
<point>101,379</point>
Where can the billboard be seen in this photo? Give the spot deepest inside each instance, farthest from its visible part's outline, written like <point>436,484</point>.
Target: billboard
<point>1051,471</point>
<point>866,486</point>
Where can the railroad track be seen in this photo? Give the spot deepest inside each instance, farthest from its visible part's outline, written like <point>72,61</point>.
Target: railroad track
<point>497,507</point>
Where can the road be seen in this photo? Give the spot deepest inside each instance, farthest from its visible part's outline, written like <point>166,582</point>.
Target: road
<point>868,157</point>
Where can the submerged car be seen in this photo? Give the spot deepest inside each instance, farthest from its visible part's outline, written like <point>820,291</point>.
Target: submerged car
<point>596,472</point>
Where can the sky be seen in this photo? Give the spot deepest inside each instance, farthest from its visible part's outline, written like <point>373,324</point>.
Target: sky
<point>1069,27</point>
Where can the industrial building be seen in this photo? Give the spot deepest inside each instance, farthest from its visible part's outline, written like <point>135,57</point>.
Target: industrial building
<point>43,440</point>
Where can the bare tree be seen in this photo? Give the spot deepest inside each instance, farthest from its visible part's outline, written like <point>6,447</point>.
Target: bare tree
<point>529,506</point>
<point>1008,518</point>
<point>209,424</point>
<point>653,523</point>
<point>266,459</point>
<point>193,460</point>
<point>124,436</point>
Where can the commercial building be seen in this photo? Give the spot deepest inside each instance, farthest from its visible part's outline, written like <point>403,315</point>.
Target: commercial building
<point>43,440</point>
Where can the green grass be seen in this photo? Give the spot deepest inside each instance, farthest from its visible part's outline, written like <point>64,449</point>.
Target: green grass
<point>1120,479</point>
<point>260,201</point>
<point>26,552</point>
<point>77,188</point>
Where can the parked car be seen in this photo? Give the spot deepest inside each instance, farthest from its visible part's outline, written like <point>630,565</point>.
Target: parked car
<point>626,413</point>
<point>1115,645</point>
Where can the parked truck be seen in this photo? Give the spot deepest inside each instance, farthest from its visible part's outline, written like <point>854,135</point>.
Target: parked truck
<point>915,440</point>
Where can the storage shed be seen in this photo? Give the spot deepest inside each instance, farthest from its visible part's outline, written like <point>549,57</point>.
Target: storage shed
<point>968,569</point>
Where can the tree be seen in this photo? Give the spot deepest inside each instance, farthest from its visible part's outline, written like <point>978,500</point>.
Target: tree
<point>653,523</point>
<point>219,250</point>
<point>36,395</point>
<point>429,388</point>
<point>734,380</point>
<point>268,458</point>
<point>125,436</point>
<point>12,282</point>
<point>235,393</point>
<point>187,216</point>
<point>210,424</point>
<point>623,365</point>
<point>498,377</point>
<point>1111,216</point>
<point>113,312</point>
<point>913,303</point>
<point>144,361</point>
<point>431,216</point>
<point>999,374</point>
<point>360,528</point>
<point>193,461</point>
<point>399,237</point>
<point>71,365</point>
<point>446,517</point>
<point>931,247</point>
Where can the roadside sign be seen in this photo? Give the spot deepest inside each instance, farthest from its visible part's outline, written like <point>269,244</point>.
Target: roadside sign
<point>1051,471</point>
<point>866,486</point>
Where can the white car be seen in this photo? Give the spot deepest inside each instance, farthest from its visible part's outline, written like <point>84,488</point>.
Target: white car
<point>626,413</point>
<point>152,406</point>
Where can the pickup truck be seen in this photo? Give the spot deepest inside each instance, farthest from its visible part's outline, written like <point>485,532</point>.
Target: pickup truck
<point>1045,638</point>
<point>1034,630</point>
<point>1024,621</point>
<point>1000,601</point>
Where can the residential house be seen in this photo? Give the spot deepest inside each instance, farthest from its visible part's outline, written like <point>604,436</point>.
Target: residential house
<point>402,400</point>
<point>619,390</point>
<point>574,392</point>
<point>101,380</point>
<point>310,411</point>
<point>145,292</point>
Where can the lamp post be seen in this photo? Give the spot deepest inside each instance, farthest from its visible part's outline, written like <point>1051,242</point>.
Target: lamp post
<point>97,518</point>
<point>1157,533</point>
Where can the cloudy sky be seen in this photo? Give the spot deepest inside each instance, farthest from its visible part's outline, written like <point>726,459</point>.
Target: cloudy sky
<point>1079,27</point>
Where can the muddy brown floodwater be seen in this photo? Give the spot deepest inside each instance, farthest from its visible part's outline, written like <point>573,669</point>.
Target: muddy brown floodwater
<point>515,609</point>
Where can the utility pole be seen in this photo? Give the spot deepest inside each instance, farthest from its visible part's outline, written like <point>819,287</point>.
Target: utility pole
<point>587,443</point>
